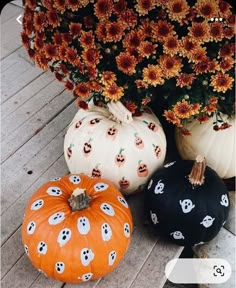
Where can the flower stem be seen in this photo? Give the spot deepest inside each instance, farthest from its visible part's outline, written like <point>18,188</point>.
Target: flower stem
<point>79,199</point>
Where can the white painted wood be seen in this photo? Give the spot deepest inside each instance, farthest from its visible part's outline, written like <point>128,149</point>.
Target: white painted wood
<point>17,3</point>
<point>10,40</point>
<point>10,11</point>
<point>35,103</point>
<point>35,124</point>
<point>16,101</point>
<point>230,224</point>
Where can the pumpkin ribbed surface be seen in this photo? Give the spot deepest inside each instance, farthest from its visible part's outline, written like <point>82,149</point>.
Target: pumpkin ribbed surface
<point>81,245</point>
<point>125,153</point>
<point>217,146</point>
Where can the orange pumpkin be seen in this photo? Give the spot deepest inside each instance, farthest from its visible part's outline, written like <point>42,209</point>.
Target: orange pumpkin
<point>76,228</point>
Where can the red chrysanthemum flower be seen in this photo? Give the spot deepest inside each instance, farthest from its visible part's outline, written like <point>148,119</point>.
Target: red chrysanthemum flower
<point>87,39</point>
<point>69,85</point>
<point>147,28</point>
<point>31,4</point>
<point>63,68</point>
<point>48,4</point>
<point>202,66</point>
<point>133,39</point>
<point>101,31</point>
<point>89,21</point>
<point>91,56</point>
<point>57,38</point>
<point>53,18</point>
<point>59,5</point>
<point>114,32</point>
<point>71,55</point>
<point>75,29</point>
<point>41,60</point>
<point>131,106</point>
<point>221,82</point>
<point>108,77</point>
<point>126,63</point>
<point>227,50</point>
<point>229,32</point>
<point>103,9</point>
<point>40,21</point>
<point>73,5</point>
<point>25,40</point>
<point>203,118</point>
<point>50,51</point>
<point>120,6</point>
<point>227,64</point>
<point>128,18</point>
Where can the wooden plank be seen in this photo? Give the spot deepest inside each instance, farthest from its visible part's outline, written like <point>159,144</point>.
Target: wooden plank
<point>36,123</point>
<point>17,185</point>
<point>230,224</point>
<point>89,284</point>
<point>10,40</point>
<point>10,11</point>
<point>31,107</point>
<point>16,101</point>
<point>143,241</point>
<point>43,281</point>
<point>17,72</point>
<point>12,249</point>
<point>19,159</point>
<point>22,274</point>
<point>18,3</point>
<point>152,273</point>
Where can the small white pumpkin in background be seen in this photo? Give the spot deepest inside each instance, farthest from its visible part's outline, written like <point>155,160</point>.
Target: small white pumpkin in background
<point>218,147</point>
<point>115,146</point>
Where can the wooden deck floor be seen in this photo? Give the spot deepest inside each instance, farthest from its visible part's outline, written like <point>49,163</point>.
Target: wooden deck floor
<point>35,112</point>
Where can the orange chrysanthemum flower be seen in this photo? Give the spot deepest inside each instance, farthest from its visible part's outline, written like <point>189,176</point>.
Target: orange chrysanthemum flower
<point>59,5</point>
<point>141,84</point>
<point>75,29</point>
<point>216,31</point>
<point>108,77</point>
<point>113,92</point>
<point>146,49</point>
<point>209,109</point>
<point>195,108</point>
<point>40,21</point>
<point>95,86</point>
<point>133,39</point>
<point>152,75</point>
<point>178,9</point>
<point>48,4</point>
<point>207,8</point>
<point>114,32</point>
<point>25,40</point>
<point>227,64</point>
<point>144,6</point>
<point>101,31</point>
<point>229,32</point>
<point>126,63</point>
<point>87,39</point>
<point>82,90</point>
<point>147,28</point>
<point>185,79</point>
<point>103,9</point>
<point>120,6</point>
<point>213,66</point>
<point>91,56</point>
<point>172,118</point>
<point>187,46</point>
<point>221,82</point>
<point>199,32</point>
<point>134,51</point>
<point>128,18</point>
<point>162,29</point>
<point>182,109</point>
<point>198,55</point>
<point>213,101</point>
<point>62,51</point>
<point>57,38</point>
<point>170,65</point>
<point>171,45</point>
<point>53,18</point>
<point>71,55</point>
<point>41,60</point>
<point>31,4</point>
<point>227,50</point>
<point>38,43</point>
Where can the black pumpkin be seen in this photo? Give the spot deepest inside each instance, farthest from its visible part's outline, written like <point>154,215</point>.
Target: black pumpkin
<point>187,202</point>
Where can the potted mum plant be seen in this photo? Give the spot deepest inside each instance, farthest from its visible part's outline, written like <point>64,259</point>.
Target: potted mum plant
<point>180,52</point>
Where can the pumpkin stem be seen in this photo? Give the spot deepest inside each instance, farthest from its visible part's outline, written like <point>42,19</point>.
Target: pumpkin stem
<point>196,176</point>
<point>79,199</point>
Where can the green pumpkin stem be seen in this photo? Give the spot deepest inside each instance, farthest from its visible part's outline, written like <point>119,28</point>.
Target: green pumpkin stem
<point>196,176</point>
<point>79,199</point>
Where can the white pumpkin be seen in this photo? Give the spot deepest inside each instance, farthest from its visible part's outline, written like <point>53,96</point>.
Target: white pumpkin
<point>218,147</point>
<point>125,152</point>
